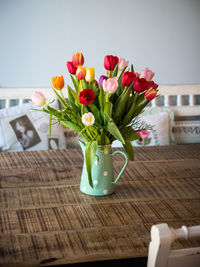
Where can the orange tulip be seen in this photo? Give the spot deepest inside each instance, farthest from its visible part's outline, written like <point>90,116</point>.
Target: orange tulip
<point>78,59</point>
<point>58,82</point>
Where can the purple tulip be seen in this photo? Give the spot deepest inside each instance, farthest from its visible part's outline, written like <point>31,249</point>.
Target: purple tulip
<point>102,78</point>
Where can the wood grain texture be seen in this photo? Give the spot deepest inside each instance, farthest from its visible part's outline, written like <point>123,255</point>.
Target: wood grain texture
<point>44,216</point>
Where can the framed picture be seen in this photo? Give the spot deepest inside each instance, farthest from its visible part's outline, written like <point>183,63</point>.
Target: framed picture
<point>25,132</point>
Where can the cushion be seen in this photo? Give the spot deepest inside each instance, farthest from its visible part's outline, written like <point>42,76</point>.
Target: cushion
<point>24,129</point>
<point>187,129</point>
<point>155,130</point>
<point>157,124</point>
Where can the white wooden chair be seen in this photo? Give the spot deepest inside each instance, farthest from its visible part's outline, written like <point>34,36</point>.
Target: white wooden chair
<point>16,96</point>
<point>160,253</point>
<point>180,98</point>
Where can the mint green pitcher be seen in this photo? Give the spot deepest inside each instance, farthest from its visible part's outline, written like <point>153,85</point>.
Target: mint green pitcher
<point>102,172</point>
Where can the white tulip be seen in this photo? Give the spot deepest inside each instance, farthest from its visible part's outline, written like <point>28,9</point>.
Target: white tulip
<point>88,119</point>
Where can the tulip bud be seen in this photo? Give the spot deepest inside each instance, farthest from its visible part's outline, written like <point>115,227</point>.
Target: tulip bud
<point>58,82</point>
<point>153,85</point>
<point>147,74</point>
<point>71,67</point>
<point>110,85</point>
<point>122,63</point>
<point>140,85</point>
<point>78,59</point>
<point>89,74</point>
<point>150,94</point>
<point>128,78</point>
<point>110,62</point>
<point>88,119</point>
<point>102,78</point>
<point>80,73</point>
<point>38,99</point>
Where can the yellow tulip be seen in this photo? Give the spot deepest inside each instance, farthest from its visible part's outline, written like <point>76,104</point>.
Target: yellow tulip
<point>89,74</point>
<point>58,82</point>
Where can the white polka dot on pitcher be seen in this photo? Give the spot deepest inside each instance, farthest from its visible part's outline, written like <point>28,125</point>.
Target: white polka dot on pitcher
<point>105,173</point>
<point>97,162</point>
<point>105,191</point>
<point>84,188</point>
<point>95,182</point>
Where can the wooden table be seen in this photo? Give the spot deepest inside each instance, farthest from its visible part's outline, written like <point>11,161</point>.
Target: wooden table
<point>45,216</point>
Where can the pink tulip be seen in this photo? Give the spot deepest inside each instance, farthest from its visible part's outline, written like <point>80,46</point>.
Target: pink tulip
<point>122,63</point>
<point>147,74</point>
<point>38,99</point>
<point>110,85</point>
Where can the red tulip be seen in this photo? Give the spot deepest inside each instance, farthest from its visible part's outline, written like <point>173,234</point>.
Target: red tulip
<point>78,59</point>
<point>128,78</point>
<point>71,67</point>
<point>150,94</point>
<point>153,85</point>
<point>86,96</point>
<point>110,62</point>
<point>140,85</point>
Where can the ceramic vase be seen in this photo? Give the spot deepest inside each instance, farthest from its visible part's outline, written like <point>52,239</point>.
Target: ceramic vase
<point>102,171</point>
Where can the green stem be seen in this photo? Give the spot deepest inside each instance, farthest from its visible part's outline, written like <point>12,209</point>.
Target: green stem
<point>107,97</point>
<point>62,96</point>
<point>82,130</point>
<point>81,86</point>
<point>89,133</point>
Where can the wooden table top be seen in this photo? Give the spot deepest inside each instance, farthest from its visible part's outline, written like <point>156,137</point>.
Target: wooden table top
<point>43,215</point>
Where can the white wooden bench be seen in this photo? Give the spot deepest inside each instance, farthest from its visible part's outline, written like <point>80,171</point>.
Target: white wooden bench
<point>183,100</point>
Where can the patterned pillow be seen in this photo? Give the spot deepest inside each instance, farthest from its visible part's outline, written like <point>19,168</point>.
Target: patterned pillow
<point>155,130</point>
<point>157,124</point>
<point>24,129</point>
<point>187,129</point>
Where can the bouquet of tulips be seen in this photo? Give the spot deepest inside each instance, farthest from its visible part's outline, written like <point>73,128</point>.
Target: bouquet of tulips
<point>105,111</point>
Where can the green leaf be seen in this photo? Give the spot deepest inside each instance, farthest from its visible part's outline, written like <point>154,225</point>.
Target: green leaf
<point>84,84</point>
<point>62,101</point>
<point>70,125</point>
<point>96,113</point>
<point>121,103</point>
<point>71,97</point>
<point>108,108</point>
<point>130,113</point>
<point>140,108</point>
<point>75,83</point>
<point>115,71</point>
<point>132,69</point>
<point>129,150</point>
<point>113,129</point>
<point>95,88</point>
<point>119,89</point>
<point>102,138</point>
<point>102,98</point>
<point>84,109</point>
<point>130,134</point>
<point>90,153</point>
<point>54,112</point>
<point>75,95</point>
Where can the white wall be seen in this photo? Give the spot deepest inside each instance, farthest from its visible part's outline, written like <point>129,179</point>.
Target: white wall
<point>37,37</point>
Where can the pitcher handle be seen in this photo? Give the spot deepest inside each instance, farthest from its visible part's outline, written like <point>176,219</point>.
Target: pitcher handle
<point>122,170</point>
